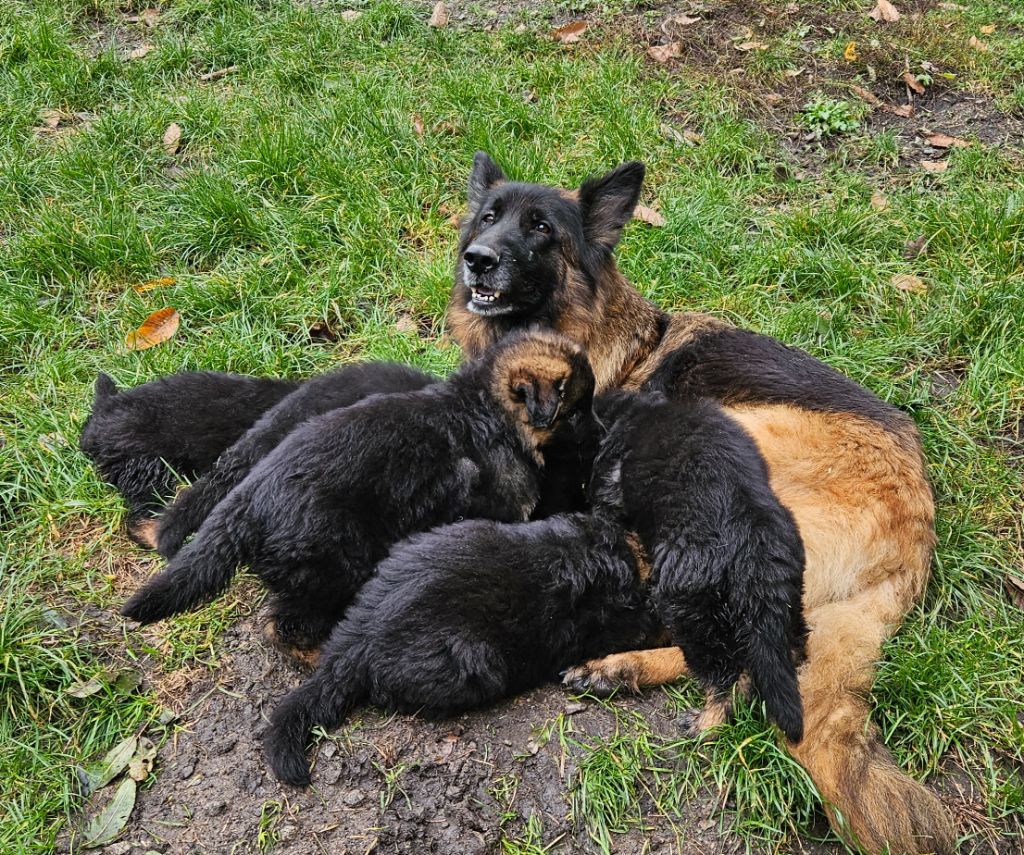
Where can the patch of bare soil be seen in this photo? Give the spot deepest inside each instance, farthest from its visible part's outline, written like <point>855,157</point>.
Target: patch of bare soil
<point>385,783</point>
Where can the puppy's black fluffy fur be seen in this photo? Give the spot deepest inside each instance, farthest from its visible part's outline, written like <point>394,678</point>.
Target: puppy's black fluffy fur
<point>465,615</point>
<point>726,557</point>
<point>340,388</point>
<point>317,514</point>
<point>142,439</point>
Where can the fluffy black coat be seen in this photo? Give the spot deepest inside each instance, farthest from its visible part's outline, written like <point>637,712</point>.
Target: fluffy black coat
<point>465,615</point>
<point>142,439</point>
<point>339,388</point>
<point>726,557</point>
<point>317,514</point>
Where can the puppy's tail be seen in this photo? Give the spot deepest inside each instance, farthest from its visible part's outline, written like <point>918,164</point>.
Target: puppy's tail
<point>198,573</point>
<point>772,632</point>
<point>322,701</point>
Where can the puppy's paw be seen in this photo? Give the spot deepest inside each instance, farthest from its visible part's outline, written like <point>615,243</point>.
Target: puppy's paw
<point>305,659</point>
<point>603,677</point>
<point>690,723</point>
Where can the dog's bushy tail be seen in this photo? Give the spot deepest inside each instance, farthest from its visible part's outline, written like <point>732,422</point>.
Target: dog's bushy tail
<point>198,573</point>
<point>772,633</point>
<point>322,701</point>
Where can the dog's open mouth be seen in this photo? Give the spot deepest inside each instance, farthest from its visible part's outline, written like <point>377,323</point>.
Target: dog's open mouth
<point>485,296</point>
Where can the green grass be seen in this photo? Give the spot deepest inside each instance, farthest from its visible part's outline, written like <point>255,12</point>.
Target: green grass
<point>303,193</point>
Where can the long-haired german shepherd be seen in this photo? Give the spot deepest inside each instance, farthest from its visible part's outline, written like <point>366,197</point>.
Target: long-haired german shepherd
<point>846,465</point>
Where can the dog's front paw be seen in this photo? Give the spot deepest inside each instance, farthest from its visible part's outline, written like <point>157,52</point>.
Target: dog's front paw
<point>306,659</point>
<point>603,677</point>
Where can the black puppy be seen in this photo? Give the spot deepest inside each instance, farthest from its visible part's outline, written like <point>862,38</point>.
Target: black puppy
<point>339,388</point>
<point>465,615</point>
<point>726,557</point>
<point>142,439</point>
<point>314,518</point>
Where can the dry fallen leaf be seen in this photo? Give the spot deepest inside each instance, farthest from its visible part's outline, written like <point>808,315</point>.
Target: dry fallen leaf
<point>570,33</point>
<point>977,44</point>
<point>850,54</point>
<point>417,124</point>
<point>885,11</point>
<point>663,53</point>
<point>147,17</point>
<point>909,282</point>
<point>218,74</point>
<point>988,29</point>
<point>172,138</point>
<point>439,17</point>
<point>649,216</point>
<point>866,95</point>
<point>676,22</point>
<point>879,201</point>
<point>945,141</point>
<point>914,248</point>
<point>934,165</point>
<point>692,137</point>
<point>1015,588</point>
<point>140,51</point>
<point>51,119</point>
<point>351,15</point>
<point>913,82</point>
<point>751,45</point>
<point>406,323</point>
<point>153,284</point>
<point>158,327</point>
<point>904,110</point>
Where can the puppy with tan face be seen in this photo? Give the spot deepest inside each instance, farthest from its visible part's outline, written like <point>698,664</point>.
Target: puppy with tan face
<point>316,515</point>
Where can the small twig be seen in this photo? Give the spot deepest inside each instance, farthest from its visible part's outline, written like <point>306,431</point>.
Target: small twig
<point>218,74</point>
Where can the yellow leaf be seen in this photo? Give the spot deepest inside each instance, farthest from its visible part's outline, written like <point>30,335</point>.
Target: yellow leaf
<point>153,284</point>
<point>157,328</point>
<point>988,29</point>
<point>909,282</point>
<point>850,54</point>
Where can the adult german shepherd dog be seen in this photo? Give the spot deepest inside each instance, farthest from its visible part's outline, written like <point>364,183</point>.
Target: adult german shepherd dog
<point>848,467</point>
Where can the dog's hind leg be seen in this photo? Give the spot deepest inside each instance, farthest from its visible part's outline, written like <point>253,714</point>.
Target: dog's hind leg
<point>632,670</point>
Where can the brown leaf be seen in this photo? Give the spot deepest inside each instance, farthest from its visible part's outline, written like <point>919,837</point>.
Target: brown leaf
<point>673,23</point>
<point>885,12</point>
<point>649,216</point>
<point>934,165</point>
<point>158,327</point>
<point>172,138</point>
<point>977,44</point>
<point>751,45</point>
<point>1015,588</point>
<point>914,248</point>
<point>406,323</point>
<point>218,74</point>
<point>909,282</point>
<point>904,110</point>
<point>692,137</point>
<point>988,29</point>
<point>945,141</point>
<point>51,119</point>
<point>439,17</point>
<point>147,17</point>
<point>351,15</point>
<point>417,124</point>
<point>570,33</point>
<point>663,53</point>
<point>866,95</point>
<point>153,284</point>
<point>879,201</point>
<point>913,82</point>
<point>850,54</point>
<point>140,51</point>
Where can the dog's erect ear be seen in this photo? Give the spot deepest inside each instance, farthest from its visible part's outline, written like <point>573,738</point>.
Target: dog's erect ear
<point>486,174</point>
<point>607,203</point>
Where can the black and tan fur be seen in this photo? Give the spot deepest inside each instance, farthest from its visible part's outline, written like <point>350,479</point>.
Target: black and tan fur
<point>143,439</point>
<point>315,516</point>
<point>847,466</point>
<point>335,389</point>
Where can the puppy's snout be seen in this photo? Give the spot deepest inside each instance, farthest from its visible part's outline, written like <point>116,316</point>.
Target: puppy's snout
<point>481,259</point>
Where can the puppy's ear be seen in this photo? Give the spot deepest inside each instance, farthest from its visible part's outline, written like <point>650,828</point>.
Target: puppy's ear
<point>485,176</point>
<point>607,203</point>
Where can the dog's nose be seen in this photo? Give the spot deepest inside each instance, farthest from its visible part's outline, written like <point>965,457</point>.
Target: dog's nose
<point>480,258</point>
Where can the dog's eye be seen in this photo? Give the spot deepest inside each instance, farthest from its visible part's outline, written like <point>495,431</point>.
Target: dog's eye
<point>487,218</point>
<point>542,227</point>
